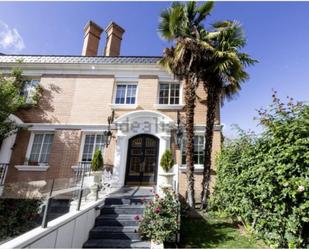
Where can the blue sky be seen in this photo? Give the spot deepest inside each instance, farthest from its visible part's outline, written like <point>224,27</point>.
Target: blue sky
<point>277,34</point>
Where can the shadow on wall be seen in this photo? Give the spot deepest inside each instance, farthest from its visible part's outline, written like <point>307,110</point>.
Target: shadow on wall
<point>45,109</point>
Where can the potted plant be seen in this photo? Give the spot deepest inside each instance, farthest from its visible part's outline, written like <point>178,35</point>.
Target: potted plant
<point>167,163</point>
<point>97,164</point>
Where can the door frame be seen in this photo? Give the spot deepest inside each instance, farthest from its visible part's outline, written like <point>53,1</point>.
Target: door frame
<point>157,156</point>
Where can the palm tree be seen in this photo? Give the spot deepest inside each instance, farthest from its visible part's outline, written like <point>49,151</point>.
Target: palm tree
<point>222,77</point>
<point>182,24</point>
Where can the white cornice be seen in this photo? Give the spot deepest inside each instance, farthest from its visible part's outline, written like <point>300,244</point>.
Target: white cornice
<point>119,71</point>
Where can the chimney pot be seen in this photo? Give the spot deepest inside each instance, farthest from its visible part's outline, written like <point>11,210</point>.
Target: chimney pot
<point>113,40</point>
<point>92,37</point>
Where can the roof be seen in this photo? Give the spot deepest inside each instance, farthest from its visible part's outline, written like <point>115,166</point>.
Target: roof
<point>69,59</point>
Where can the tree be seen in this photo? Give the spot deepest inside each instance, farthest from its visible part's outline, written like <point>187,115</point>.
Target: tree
<point>222,76</point>
<point>182,24</point>
<point>10,101</point>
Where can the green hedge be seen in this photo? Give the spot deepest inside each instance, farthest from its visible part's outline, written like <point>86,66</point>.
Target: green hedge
<point>17,216</point>
<point>263,180</point>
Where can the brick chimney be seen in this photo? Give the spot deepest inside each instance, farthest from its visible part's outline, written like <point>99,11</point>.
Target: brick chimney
<point>92,36</point>
<point>113,40</point>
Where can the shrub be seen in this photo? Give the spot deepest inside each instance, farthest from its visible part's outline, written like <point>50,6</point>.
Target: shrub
<point>18,216</point>
<point>97,161</point>
<point>167,161</point>
<point>264,179</point>
<point>159,222</point>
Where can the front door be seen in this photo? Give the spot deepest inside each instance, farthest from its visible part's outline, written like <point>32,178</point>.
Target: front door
<point>142,161</point>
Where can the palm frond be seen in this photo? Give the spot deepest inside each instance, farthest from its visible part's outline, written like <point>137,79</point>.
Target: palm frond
<point>203,11</point>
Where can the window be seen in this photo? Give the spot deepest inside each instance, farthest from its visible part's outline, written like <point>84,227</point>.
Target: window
<point>92,143</point>
<point>169,94</point>
<point>125,94</point>
<point>198,154</point>
<point>29,89</point>
<point>41,148</point>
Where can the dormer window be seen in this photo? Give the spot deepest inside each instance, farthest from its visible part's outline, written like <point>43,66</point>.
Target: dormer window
<point>125,94</point>
<point>169,94</point>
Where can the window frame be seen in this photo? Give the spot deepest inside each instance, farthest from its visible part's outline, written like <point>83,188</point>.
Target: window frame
<point>169,105</point>
<point>198,165</point>
<point>81,150</point>
<point>30,90</point>
<point>30,145</point>
<point>126,83</point>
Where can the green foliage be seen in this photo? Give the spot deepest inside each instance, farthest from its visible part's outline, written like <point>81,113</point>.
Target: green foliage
<point>17,216</point>
<point>97,161</point>
<point>167,161</point>
<point>10,101</point>
<point>264,179</point>
<point>159,222</point>
<point>214,232</point>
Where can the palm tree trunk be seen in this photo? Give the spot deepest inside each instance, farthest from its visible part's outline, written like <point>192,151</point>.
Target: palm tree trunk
<point>212,99</point>
<point>189,93</point>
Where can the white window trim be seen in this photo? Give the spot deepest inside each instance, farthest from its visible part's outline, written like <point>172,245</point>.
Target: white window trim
<point>32,168</point>
<point>81,149</point>
<point>197,167</point>
<point>124,105</point>
<point>178,106</point>
<point>39,167</point>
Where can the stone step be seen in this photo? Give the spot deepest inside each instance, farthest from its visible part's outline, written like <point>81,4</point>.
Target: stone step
<point>115,229</point>
<point>122,209</point>
<point>114,243</point>
<point>98,233</point>
<point>116,221</point>
<point>126,201</point>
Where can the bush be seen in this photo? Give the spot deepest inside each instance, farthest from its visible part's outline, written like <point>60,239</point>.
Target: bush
<point>167,161</point>
<point>159,222</point>
<point>97,161</point>
<point>263,179</point>
<point>18,216</point>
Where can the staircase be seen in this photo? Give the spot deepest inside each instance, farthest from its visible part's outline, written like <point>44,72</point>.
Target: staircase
<point>116,226</point>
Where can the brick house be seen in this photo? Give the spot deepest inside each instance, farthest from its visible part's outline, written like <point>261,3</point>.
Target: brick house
<point>79,94</point>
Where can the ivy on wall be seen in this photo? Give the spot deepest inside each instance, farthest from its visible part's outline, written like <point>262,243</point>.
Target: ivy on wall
<point>264,180</point>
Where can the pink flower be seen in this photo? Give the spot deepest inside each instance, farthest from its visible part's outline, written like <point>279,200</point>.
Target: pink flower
<point>157,210</point>
<point>137,217</point>
<point>157,196</point>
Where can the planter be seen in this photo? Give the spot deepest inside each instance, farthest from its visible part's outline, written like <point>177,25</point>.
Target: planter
<point>155,245</point>
<point>97,177</point>
<point>166,180</point>
<point>97,181</point>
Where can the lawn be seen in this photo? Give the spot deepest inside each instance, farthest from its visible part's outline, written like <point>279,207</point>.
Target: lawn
<point>213,232</point>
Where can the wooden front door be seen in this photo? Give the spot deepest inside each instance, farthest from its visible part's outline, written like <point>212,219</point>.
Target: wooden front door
<point>142,160</point>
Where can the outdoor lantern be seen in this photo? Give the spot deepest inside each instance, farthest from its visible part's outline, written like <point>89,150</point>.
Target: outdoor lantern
<point>179,135</point>
<point>107,137</point>
<point>108,134</point>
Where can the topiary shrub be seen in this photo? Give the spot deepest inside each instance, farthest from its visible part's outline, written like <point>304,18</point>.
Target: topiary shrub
<point>97,161</point>
<point>159,221</point>
<point>167,161</point>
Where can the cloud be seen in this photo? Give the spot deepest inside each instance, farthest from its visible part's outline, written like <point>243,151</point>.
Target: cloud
<point>10,39</point>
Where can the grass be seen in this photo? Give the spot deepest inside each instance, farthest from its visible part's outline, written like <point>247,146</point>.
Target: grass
<point>214,232</point>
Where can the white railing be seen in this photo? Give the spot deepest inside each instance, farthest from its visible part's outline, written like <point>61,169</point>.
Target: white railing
<point>3,171</point>
<point>176,179</point>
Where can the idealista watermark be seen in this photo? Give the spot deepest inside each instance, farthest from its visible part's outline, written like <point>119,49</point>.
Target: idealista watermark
<point>134,126</point>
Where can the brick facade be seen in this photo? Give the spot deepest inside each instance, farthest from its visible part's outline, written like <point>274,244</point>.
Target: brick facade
<point>87,100</point>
